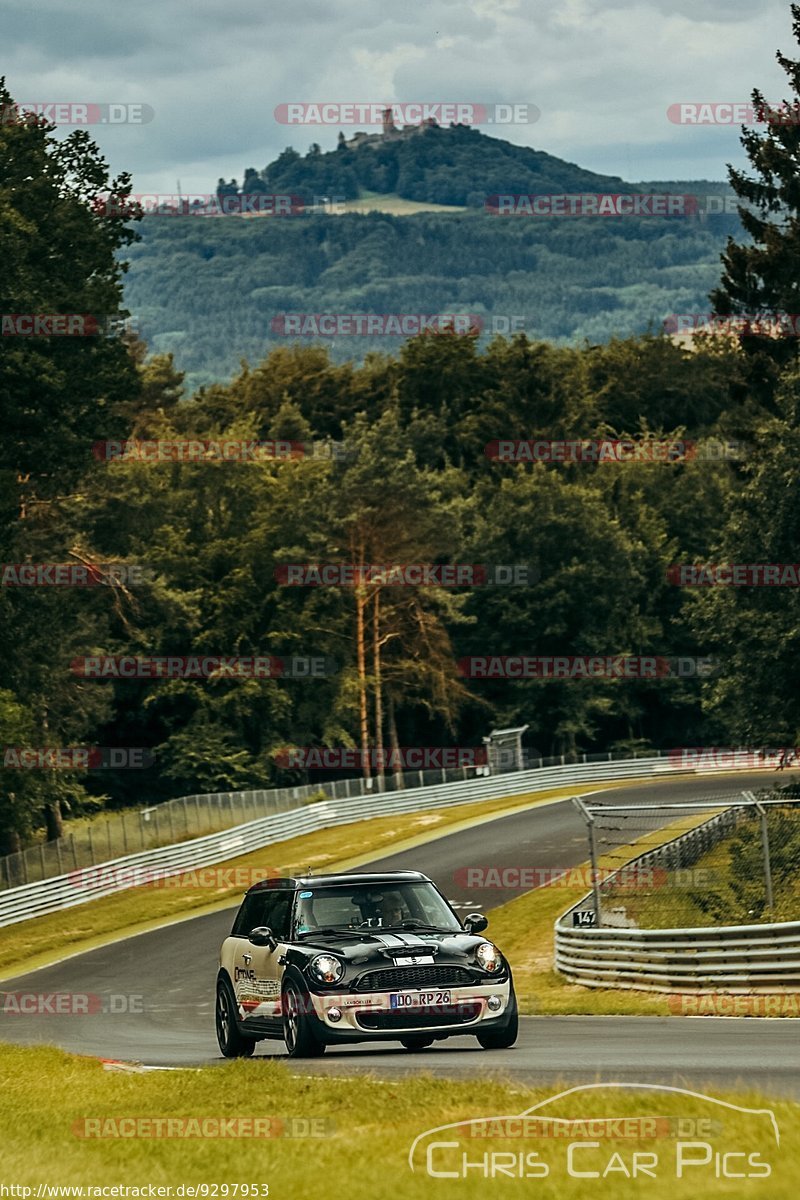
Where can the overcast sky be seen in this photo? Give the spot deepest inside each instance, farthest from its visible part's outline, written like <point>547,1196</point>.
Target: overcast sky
<point>603,74</point>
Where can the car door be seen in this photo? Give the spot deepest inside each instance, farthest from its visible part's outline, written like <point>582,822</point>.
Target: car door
<point>257,970</point>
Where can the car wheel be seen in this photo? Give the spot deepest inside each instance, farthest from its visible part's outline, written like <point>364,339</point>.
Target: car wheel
<point>506,1035</point>
<point>298,1035</point>
<point>231,1042</point>
<point>417,1043</point>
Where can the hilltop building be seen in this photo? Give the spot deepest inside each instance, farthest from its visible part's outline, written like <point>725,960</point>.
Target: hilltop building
<point>391,133</point>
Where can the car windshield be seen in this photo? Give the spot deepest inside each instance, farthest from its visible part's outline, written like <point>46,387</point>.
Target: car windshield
<point>373,906</point>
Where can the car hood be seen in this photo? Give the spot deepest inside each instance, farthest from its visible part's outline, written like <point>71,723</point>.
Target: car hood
<point>384,947</point>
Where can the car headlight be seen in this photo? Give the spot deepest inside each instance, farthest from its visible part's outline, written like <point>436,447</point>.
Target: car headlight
<point>326,969</point>
<point>488,957</point>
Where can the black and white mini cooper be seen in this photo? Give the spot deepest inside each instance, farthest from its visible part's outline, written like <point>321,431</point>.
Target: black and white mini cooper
<point>330,959</point>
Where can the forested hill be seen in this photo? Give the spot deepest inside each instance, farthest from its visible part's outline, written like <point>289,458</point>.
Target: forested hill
<point>215,291</point>
<point>455,165</point>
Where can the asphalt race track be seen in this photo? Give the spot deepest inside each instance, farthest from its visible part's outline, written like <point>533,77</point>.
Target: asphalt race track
<point>161,985</point>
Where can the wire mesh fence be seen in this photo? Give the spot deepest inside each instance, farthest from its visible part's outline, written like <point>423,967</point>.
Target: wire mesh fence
<point>733,858</point>
<point>127,832</point>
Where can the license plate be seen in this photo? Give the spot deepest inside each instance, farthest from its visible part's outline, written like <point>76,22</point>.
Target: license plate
<point>419,999</point>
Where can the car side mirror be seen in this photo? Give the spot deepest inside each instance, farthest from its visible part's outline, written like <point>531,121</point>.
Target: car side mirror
<point>262,935</point>
<point>475,922</point>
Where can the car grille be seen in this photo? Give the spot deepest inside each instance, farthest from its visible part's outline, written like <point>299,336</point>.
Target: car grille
<point>419,1018</point>
<point>397,978</point>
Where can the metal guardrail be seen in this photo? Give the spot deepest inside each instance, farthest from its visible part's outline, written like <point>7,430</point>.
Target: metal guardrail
<point>738,959</point>
<point>131,831</point>
<point>77,887</point>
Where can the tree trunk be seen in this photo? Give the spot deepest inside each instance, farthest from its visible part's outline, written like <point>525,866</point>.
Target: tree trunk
<point>361,659</point>
<point>397,766</point>
<point>376,668</point>
<point>10,842</point>
<point>54,821</point>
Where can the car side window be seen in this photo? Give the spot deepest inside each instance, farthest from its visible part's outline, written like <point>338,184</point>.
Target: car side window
<point>278,919</point>
<point>243,923</point>
<point>264,908</point>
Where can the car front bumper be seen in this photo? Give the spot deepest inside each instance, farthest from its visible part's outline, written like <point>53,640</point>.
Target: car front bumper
<point>369,1015</point>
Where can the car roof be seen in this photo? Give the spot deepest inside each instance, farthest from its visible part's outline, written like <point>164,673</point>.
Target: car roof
<point>293,882</point>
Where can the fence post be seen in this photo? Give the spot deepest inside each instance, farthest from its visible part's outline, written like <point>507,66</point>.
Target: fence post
<point>589,819</point>
<point>762,816</point>
<point>92,858</point>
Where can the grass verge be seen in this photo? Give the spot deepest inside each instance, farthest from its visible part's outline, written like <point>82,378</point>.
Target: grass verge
<point>365,1129</point>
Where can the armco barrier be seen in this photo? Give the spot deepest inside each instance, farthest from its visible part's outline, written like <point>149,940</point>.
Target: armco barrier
<point>66,891</point>
<point>738,959</point>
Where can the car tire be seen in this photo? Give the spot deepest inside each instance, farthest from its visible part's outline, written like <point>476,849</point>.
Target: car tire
<point>298,1034</point>
<point>417,1043</point>
<point>504,1037</point>
<point>231,1042</point>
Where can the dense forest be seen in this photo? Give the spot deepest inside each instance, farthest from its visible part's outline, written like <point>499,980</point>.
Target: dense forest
<point>212,292</point>
<point>401,475</point>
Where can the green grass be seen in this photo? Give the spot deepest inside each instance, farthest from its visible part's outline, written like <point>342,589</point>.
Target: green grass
<point>396,205</point>
<point>42,939</point>
<point>731,889</point>
<point>368,1128</point>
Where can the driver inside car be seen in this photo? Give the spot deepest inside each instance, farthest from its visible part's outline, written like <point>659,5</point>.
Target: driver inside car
<point>393,911</point>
